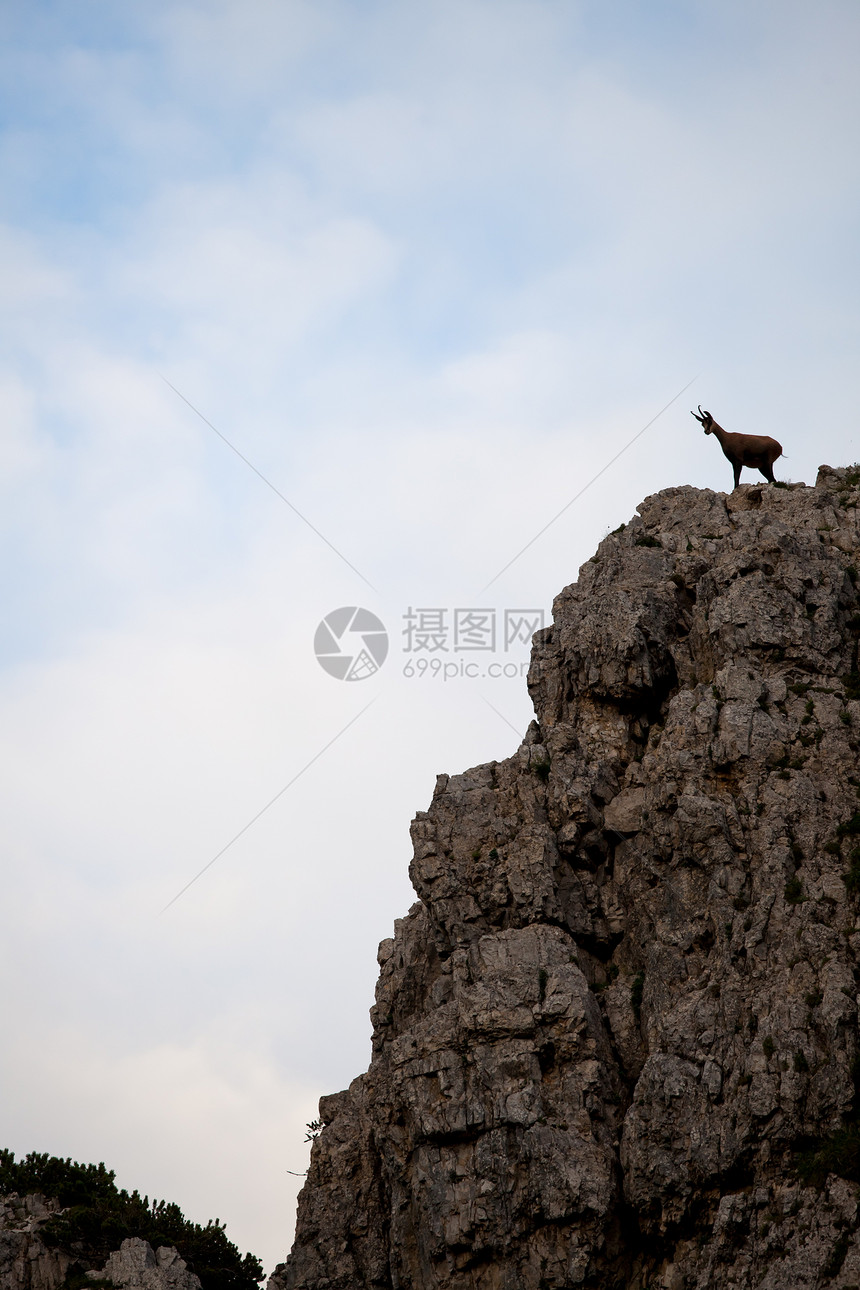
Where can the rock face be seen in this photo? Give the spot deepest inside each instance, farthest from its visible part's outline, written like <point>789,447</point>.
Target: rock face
<point>627,996</point>
<point>28,1263</point>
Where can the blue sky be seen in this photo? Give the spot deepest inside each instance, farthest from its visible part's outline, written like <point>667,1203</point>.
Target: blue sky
<point>429,268</point>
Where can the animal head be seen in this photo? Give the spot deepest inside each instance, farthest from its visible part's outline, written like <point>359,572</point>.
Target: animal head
<point>706,419</point>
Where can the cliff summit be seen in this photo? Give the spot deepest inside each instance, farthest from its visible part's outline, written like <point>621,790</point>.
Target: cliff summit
<point>615,1041</point>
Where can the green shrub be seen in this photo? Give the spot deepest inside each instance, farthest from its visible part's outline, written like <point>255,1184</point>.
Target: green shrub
<point>636,990</point>
<point>851,681</point>
<point>541,769</point>
<point>837,1154</point>
<point>852,877</point>
<point>836,1259</point>
<point>793,891</point>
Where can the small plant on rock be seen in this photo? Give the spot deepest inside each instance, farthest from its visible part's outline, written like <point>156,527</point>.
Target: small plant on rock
<point>852,877</point>
<point>636,990</point>
<point>793,891</point>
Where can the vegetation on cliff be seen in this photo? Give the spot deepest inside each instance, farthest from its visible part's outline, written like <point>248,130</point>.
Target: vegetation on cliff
<point>97,1216</point>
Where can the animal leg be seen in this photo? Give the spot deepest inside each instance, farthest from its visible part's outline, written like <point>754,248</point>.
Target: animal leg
<point>767,471</point>
<point>736,466</point>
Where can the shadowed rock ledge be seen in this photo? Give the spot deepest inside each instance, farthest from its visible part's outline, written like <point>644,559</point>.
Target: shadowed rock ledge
<point>615,1040</point>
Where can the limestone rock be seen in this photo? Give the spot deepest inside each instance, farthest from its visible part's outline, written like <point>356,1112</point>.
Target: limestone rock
<point>136,1266</point>
<point>627,996</point>
<point>26,1262</point>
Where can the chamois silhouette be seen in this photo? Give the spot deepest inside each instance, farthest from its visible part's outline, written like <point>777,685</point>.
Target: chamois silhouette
<point>757,451</point>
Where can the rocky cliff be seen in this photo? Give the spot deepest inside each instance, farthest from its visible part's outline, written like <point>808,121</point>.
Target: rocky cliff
<point>615,1041</point>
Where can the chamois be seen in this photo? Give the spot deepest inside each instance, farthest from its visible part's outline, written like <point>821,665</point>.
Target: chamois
<point>758,451</point>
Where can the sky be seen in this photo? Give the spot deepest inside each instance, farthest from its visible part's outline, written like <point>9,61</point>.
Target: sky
<point>313,305</point>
